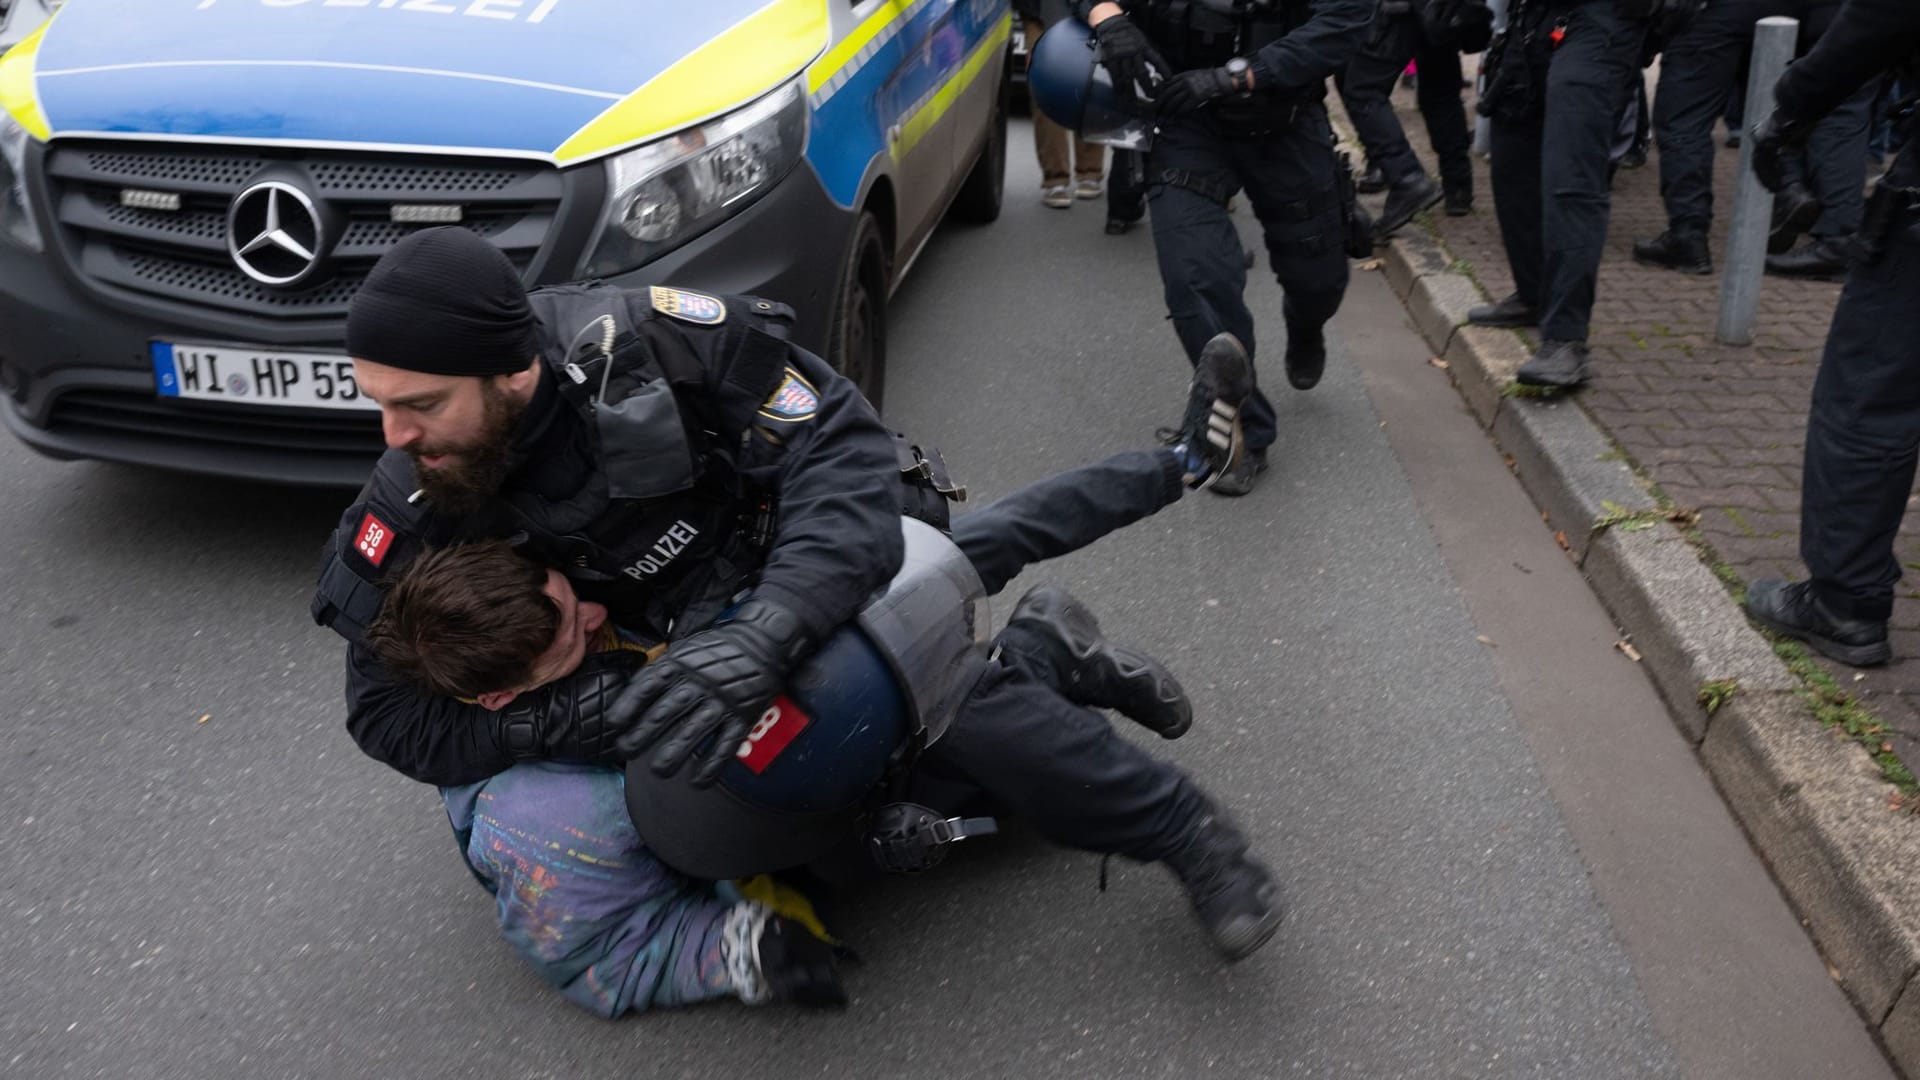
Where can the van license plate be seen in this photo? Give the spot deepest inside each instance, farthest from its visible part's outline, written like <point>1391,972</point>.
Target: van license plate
<point>241,376</point>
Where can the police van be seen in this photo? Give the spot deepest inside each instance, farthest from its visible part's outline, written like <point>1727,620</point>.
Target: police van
<point>191,190</point>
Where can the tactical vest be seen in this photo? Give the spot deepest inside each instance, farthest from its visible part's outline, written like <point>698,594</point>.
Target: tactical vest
<point>661,527</point>
<point>1207,33</point>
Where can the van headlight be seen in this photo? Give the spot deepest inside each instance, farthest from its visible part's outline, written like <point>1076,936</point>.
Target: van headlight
<point>16,220</point>
<point>667,192</point>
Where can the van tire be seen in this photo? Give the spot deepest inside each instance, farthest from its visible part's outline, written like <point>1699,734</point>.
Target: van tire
<point>858,346</point>
<point>979,198</point>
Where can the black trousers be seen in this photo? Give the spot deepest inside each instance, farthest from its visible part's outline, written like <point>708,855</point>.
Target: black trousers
<point>1127,186</point>
<point>1863,432</point>
<point>1698,75</point>
<point>1018,745</point>
<point>1550,161</point>
<point>1289,179</point>
<point>1366,86</point>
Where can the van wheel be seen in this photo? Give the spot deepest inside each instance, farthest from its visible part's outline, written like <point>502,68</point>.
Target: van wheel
<point>859,343</point>
<point>979,197</point>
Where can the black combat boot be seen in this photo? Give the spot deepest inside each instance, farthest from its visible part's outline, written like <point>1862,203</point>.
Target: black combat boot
<point>1459,199</point>
<point>1234,895</point>
<point>1209,441</point>
<point>1559,364</point>
<point>1795,210</point>
<point>1682,251</point>
<point>1090,670</point>
<point>1408,197</point>
<point>1822,257</point>
<point>1306,351</point>
<point>1508,311</point>
<point>1795,611</point>
<point>1371,182</point>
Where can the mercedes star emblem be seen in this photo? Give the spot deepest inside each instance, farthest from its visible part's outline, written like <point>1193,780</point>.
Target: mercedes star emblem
<point>273,233</point>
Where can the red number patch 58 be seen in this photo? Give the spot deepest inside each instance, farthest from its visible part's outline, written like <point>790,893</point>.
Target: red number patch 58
<point>778,725</point>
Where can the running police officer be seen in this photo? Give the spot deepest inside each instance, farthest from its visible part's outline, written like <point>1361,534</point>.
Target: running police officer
<point>1561,75</point>
<point>719,489</point>
<point>1239,87</point>
<point>1864,425</point>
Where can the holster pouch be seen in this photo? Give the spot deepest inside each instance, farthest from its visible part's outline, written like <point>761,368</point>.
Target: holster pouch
<point>1889,209</point>
<point>1358,234</point>
<point>925,485</point>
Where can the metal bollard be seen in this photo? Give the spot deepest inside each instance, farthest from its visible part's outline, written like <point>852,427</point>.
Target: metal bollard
<point>1773,44</point>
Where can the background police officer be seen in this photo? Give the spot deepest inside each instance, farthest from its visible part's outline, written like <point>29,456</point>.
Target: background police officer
<point>1400,33</point>
<point>1239,87</point>
<point>1864,425</point>
<point>1561,77</point>
<point>1698,71</point>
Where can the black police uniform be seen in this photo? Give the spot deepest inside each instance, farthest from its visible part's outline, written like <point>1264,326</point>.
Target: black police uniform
<point>1560,78</point>
<point>719,459</point>
<point>1276,145</point>
<point>1864,425</point>
<point>1396,36</point>
<point>1698,72</point>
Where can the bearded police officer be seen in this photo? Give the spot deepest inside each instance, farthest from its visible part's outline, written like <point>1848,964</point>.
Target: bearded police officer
<point>720,489</point>
<point>1238,87</point>
<point>1864,425</point>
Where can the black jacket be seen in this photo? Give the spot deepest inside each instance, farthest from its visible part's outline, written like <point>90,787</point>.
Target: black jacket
<point>720,458</point>
<point>1866,39</point>
<point>1293,48</point>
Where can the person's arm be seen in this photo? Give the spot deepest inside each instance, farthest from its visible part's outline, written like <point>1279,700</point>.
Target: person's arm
<point>837,538</point>
<point>1866,38</point>
<point>439,740</point>
<point>1315,49</point>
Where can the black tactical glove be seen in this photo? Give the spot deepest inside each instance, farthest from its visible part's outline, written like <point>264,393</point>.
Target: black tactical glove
<point>1129,57</point>
<point>1189,90</point>
<point>1772,137</point>
<point>569,719</point>
<point>799,967</point>
<point>714,683</point>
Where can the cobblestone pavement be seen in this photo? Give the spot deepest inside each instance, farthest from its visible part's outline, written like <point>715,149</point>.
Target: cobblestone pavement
<point>1720,428</point>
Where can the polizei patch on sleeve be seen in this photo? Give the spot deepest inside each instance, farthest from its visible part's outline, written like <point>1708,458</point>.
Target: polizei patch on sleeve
<point>793,400</point>
<point>687,306</point>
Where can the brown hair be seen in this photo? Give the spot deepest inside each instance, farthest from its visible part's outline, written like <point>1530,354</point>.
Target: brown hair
<point>466,620</point>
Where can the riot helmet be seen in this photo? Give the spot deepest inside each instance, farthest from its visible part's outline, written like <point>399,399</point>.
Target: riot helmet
<point>878,689</point>
<point>801,782</point>
<point>1074,90</point>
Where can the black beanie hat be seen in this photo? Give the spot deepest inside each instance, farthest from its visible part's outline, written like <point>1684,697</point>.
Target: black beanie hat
<point>444,302</point>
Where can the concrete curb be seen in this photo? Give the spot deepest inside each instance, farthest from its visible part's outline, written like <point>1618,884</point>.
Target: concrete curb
<point>1813,803</point>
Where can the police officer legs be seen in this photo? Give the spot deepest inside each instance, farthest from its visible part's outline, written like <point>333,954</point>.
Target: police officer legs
<point>1367,87</point>
<point>1863,430</point>
<point>1289,178</point>
<point>1863,433</point>
<point>1697,75</point>
<point>1549,170</point>
<point>1081,785</point>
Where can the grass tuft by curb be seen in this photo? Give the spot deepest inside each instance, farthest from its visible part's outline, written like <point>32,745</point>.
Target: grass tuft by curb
<point>1843,712</point>
<point>1715,693</point>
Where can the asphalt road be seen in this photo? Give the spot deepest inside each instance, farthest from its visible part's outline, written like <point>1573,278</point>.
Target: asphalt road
<point>1500,860</point>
